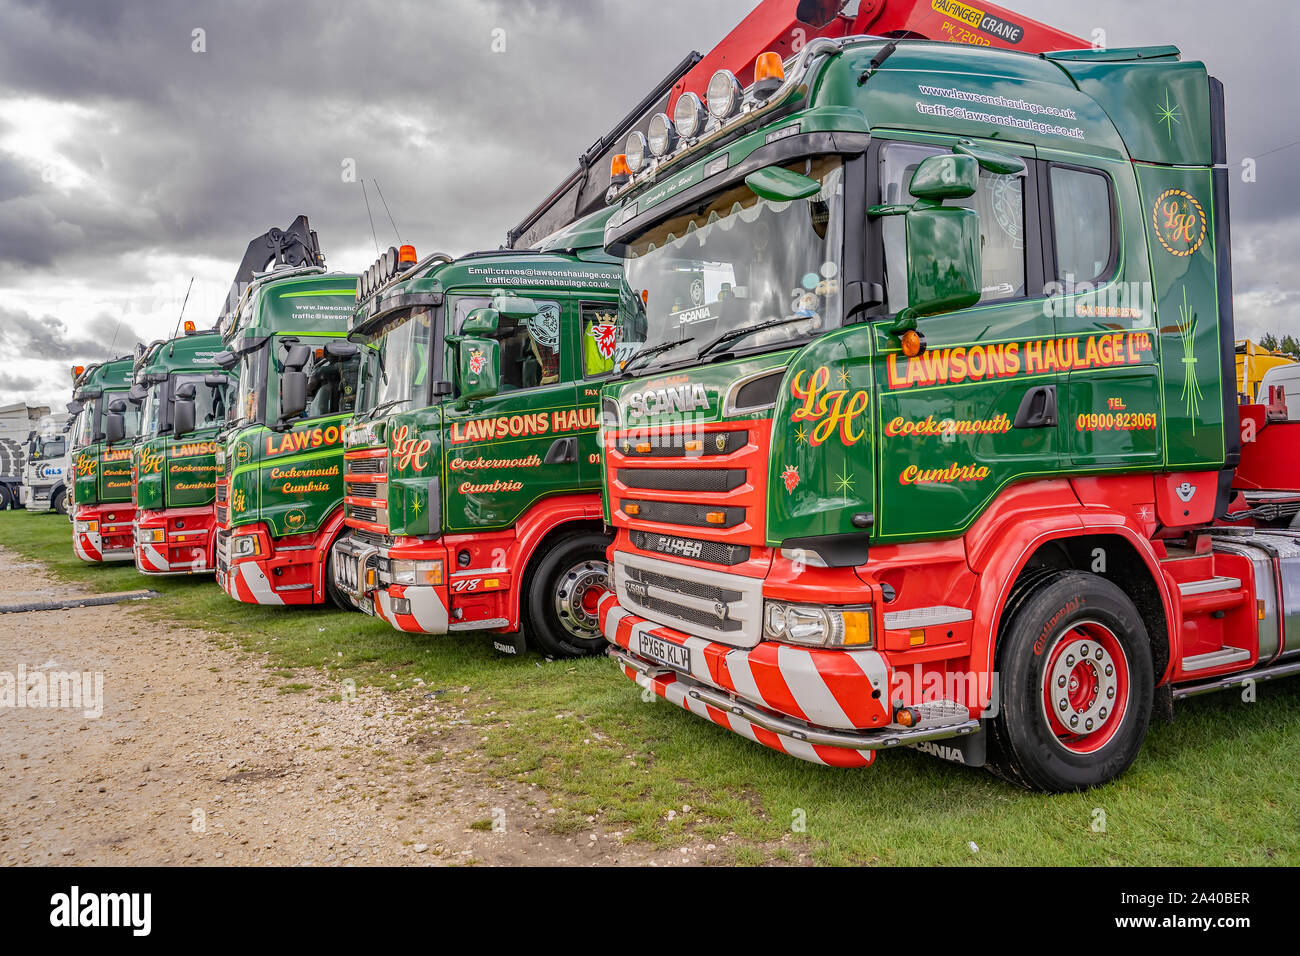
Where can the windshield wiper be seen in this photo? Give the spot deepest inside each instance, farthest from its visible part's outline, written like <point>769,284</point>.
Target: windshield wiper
<point>374,412</point>
<point>651,353</point>
<point>730,336</point>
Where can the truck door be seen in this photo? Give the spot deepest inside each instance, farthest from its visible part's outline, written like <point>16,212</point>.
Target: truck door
<point>1109,402</point>
<point>976,410</point>
<point>506,452</point>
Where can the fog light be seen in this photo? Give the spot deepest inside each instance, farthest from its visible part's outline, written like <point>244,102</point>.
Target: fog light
<point>723,94</point>
<point>401,606</point>
<point>634,150</point>
<point>688,115</point>
<point>661,135</point>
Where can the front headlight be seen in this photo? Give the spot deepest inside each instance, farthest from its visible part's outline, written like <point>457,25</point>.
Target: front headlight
<point>817,626</point>
<point>243,545</point>
<point>87,527</point>
<point>427,573</point>
<point>154,535</point>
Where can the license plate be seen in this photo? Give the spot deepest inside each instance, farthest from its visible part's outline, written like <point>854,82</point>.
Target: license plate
<point>367,606</point>
<point>665,652</point>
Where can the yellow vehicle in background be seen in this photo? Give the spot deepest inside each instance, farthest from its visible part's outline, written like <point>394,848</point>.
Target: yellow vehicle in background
<point>1252,362</point>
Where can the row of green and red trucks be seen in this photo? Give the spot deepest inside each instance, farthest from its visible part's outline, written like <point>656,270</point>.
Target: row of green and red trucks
<point>871,385</point>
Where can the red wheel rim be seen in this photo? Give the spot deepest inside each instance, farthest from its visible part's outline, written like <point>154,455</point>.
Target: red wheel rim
<point>1085,687</point>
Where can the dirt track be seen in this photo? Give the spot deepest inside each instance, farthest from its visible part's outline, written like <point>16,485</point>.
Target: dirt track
<point>199,758</point>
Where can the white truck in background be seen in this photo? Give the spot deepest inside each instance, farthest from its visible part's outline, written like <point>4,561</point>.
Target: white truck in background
<point>49,461</point>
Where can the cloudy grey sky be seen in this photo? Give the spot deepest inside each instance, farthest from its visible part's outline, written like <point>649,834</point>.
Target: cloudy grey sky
<point>129,162</point>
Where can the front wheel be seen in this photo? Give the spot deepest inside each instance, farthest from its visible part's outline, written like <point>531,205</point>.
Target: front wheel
<point>1076,686</point>
<point>60,502</point>
<point>563,590</point>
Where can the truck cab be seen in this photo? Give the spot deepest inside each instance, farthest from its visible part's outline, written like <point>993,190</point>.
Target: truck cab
<point>931,433</point>
<point>102,512</point>
<point>472,468</point>
<point>49,461</point>
<point>279,495</point>
<point>182,396</point>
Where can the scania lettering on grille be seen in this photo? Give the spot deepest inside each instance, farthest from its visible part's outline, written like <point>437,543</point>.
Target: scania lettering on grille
<point>660,401</point>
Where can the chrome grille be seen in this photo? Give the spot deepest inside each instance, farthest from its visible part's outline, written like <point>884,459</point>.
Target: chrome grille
<point>363,489</point>
<point>715,605</point>
<point>673,444</point>
<point>366,466</point>
<point>362,513</point>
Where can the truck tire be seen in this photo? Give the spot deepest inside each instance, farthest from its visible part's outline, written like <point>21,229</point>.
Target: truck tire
<point>563,587</point>
<point>1076,685</point>
<point>7,499</point>
<point>59,502</point>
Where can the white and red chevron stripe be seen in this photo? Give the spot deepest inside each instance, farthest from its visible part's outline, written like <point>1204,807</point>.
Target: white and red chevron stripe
<point>832,689</point>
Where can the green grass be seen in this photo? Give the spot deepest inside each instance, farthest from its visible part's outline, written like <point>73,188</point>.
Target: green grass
<point>1218,786</point>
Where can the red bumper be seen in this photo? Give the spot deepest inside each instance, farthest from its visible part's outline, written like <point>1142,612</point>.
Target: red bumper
<point>177,541</point>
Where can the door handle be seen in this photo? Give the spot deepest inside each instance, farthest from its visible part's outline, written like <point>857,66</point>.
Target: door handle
<point>1037,408</point>
<point>563,451</point>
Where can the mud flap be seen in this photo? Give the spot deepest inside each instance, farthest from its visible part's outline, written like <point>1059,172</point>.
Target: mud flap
<point>969,750</point>
<point>512,644</point>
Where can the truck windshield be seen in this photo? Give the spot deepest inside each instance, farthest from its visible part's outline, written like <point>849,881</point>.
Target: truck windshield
<point>736,261</point>
<point>395,369</point>
<point>209,402</point>
<point>149,423</point>
<point>331,382</point>
<point>247,407</point>
<point>49,447</point>
<point>81,427</point>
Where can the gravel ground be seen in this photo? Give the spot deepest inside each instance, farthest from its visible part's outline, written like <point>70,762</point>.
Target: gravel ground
<point>200,758</point>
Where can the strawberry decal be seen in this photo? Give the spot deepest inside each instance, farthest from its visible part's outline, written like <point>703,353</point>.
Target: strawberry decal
<point>791,478</point>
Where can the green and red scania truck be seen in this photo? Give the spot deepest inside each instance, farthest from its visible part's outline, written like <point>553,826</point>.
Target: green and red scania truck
<point>929,436</point>
<point>102,513</point>
<point>182,396</point>
<point>279,497</point>
<point>472,468</point>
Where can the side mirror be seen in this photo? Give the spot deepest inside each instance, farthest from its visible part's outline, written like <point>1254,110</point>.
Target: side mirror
<point>778,184</point>
<point>137,395</point>
<point>510,306</point>
<point>213,380</point>
<point>943,242</point>
<point>226,360</point>
<point>115,425</point>
<point>945,177</point>
<point>187,392</point>
<point>75,407</point>
<point>483,323</point>
<point>340,350</point>
<point>297,357</point>
<point>293,393</point>
<point>182,415</point>
<point>478,362</point>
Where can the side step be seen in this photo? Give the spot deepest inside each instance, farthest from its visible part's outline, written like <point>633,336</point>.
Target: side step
<point>1237,680</point>
<point>1220,658</point>
<point>1209,586</point>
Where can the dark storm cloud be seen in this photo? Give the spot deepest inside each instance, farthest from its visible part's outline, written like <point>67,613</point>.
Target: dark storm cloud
<point>17,383</point>
<point>26,337</point>
<point>194,153</point>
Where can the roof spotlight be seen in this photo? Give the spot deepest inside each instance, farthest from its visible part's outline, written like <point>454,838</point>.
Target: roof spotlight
<point>390,261</point>
<point>635,150</point>
<point>688,115</point>
<point>660,134</point>
<point>723,94</point>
